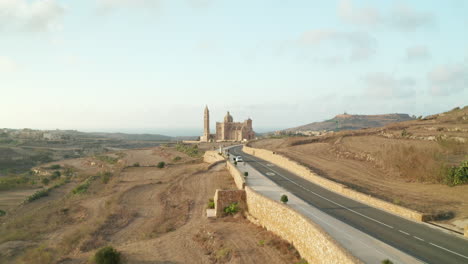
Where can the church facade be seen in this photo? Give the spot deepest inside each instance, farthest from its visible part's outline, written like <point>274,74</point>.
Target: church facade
<point>227,130</point>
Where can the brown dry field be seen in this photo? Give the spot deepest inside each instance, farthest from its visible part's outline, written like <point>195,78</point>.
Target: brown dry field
<point>150,215</point>
<point>382,162</point>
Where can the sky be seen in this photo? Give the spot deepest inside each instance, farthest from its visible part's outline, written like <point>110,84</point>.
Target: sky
<point>151,66</point>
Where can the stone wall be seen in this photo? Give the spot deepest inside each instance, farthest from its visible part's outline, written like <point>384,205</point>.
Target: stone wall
<point>314,244</point>
<point>212,156</point>
<point>238,177</point>
<point>224,198</point>
<point>307,174</point>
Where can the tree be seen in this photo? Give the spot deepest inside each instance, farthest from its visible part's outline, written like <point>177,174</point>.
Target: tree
<point>107,255</point>
<point>161,164</point>
<point>45,181</point>
<point>284,198</point>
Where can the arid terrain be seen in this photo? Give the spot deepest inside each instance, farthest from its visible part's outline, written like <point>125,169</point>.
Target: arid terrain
<point>149,214</point>
<point>405,163</point>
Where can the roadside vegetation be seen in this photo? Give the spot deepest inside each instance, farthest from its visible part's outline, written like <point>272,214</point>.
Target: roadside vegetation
<point>189,149</point>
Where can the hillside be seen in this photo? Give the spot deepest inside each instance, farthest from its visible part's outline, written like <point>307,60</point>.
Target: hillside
<point>407,163</point>
<point>352,122</point>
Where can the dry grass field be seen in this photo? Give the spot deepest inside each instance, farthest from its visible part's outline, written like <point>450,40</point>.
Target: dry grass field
<point>405,163</point>
<point>149,214</point>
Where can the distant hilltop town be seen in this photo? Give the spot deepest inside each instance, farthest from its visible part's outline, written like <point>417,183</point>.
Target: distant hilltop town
<point>227,130</point>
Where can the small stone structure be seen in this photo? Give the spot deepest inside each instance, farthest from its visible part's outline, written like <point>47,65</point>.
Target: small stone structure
<point>223,198</point>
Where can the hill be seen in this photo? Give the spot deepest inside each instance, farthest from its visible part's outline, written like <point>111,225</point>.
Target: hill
<point>352,122</point>
<point>411,163</point>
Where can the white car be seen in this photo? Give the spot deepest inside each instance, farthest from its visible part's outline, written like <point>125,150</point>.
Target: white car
<point>239,159</point>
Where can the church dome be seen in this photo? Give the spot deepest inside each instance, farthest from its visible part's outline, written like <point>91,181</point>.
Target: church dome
<point>228,118</point>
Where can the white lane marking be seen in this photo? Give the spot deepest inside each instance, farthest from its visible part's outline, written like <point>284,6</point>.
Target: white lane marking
<point>349,209</point>
<point>418,238</point>
<point>401,231</point>
<point>270,165</point>
<point>449,250</point>
<point>270,174</point>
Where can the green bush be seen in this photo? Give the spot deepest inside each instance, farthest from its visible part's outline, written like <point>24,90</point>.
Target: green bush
<point>387,261</point>
<point>45,181</point>
<point>107,255</point>
<point>107,159</point>
<point>136,164</point>
<point>83,187</point>
<point>161,164</point>
<point>55,175</point>
<point>457,175</point>
<point>37,195</point>
<point>191,150</point>
<point>177,158</point>
<point>54,167</point>
<point>2,213</point>
<point>302,261</point>
<point>235,163</point>
<point>232,208</point>
<point>284,198</point>
<point>246,174</point>
<point>211,204</point>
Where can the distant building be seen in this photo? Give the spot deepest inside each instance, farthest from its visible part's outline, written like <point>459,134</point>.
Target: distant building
<point>227,130</point>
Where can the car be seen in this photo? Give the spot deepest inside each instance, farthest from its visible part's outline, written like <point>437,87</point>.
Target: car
<point>239,159</point>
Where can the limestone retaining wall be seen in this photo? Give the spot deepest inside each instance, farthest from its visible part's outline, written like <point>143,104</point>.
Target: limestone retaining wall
<point>236,174</point>
<point>307,174</point>
<point>224,198</point>
<point>212,156</point>
<point>314,244</point>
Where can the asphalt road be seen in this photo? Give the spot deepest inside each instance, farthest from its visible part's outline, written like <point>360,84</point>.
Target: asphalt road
<point>419,240</point>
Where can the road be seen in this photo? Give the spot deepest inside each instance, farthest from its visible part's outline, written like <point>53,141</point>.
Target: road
<point>424,242</point>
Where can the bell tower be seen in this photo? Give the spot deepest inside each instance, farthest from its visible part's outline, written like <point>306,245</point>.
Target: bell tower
<point>206,131</point>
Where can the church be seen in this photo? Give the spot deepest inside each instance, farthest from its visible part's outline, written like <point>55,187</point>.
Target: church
<point>227,130</point>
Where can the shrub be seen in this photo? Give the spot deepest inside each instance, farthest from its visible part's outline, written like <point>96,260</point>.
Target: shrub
<point>246,173</point>
<point>211,204</point>
<point>387,261</point>
<point>107,255</point>
<point>55,167</point>
<point>177,158</point>
<point>105,177</point>
<point>235,163</point>
<point>45,181</point>
<point>37,195</point>
<point>136,164</point>
<point>161,164</point>
<point>232,208</point>
<point>191,150</point>
<point>302,261</point>
<point>284,198</point>
<point>2,213</point>
<point>107,159</point>
<point>457,175</point>
<point>261,243</point>
<point>83,187</point>
<point>55,175</point>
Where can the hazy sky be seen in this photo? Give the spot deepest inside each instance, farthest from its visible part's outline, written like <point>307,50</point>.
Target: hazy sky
<point>153,65</point>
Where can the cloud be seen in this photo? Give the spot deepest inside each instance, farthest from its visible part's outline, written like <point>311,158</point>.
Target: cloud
<point>364,15</point>
<point>7,65</point>
<point>106,6</point>
<point>35,16</point>
<point>402,16</point>
<point>406,18</point>
<point>417,53</point>
<point>357,45</point>
<point>448,79</point>
<point>380,84</point>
